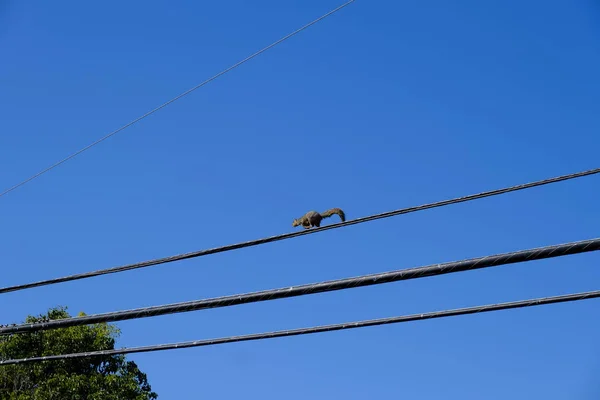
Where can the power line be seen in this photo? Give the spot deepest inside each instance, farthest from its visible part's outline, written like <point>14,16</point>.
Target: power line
<point>319,329</point>
<point>256,242</point>
<point>321,287</point>
<point>177,98</point>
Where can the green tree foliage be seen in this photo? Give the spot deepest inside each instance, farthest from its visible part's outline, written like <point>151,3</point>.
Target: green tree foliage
<point>92,378</point>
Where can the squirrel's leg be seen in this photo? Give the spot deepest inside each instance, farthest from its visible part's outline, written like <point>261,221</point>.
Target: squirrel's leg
<point>316,221</point>
<point>313,221</point>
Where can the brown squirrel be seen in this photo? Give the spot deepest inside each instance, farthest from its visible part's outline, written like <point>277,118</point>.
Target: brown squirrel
<point>313,218</point>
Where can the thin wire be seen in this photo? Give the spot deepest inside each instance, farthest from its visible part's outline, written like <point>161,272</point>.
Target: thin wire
<point>256,242</point>
<point>176,98</point>
<point>321,287</point>
<point>319,329</point>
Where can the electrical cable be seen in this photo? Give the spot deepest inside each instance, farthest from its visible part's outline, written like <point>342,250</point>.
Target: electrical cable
<point>321,287</point>
<point>284,236</point>
<point>319,329</point>
<point>175,98</point>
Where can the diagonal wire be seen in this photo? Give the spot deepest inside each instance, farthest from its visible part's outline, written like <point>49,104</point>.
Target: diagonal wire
<point>255,242</point>
<point>175,98</point>
<point>321,287</point>
<point>319,329</point>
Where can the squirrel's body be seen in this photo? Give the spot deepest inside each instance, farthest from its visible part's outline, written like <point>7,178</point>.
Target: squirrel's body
<point>313,218</point>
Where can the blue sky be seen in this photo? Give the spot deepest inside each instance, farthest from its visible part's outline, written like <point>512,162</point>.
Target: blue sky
<point>382,106</point>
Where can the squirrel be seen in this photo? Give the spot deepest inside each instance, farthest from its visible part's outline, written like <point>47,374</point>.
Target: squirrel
<point>313,218</point>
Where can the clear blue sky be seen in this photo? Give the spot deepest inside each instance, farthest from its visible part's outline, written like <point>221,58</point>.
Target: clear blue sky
<point>387,104</point>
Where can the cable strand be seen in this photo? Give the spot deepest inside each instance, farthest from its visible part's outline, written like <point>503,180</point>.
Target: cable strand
<point>319,329</point>
<point>175,98</point>
<point>320,287</point>
<point>184,256</point>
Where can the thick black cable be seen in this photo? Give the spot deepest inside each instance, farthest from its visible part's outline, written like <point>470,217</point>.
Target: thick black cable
<point>388,214</point>
<point>319,329</point>
<point>289,35</point>
<point>321,287</point>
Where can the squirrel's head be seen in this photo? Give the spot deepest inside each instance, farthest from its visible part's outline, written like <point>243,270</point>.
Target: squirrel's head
<point>296,223</point>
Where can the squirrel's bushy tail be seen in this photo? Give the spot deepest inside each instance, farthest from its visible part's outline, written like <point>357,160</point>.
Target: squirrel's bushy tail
<point>330,212</point>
